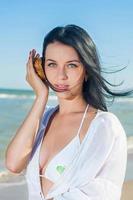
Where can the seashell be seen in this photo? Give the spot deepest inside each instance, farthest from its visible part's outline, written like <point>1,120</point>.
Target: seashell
<point>37,64</point>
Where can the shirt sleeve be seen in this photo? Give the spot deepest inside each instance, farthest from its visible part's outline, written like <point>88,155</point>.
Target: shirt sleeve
<point>107,184</point>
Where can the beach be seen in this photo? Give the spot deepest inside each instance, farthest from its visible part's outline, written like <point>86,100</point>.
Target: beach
<point>14,192</point>
<point>127,191</point>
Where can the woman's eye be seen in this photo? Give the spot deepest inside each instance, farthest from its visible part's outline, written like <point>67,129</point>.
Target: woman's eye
<point>51,64</point>
<point>72,65</point>
<point>69,65</point>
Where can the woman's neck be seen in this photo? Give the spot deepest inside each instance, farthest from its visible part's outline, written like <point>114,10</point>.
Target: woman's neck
<point>71,106</point>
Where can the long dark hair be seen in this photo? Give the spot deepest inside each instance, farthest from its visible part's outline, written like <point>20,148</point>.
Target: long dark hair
<point>95,90</point>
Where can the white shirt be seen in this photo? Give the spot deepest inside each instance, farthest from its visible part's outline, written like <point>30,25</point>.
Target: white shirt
<point>97,171</point>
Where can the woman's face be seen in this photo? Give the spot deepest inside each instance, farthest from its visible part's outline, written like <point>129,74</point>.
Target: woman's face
<point>64,70</point>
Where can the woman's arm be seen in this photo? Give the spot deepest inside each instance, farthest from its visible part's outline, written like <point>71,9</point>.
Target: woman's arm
<point>20,147</point>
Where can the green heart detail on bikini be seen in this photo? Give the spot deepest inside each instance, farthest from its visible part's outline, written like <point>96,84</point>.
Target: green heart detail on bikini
<point>60,168</point>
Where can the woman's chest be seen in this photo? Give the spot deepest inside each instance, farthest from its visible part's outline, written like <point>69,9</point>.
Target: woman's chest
<point>60,132</point>
<point>55,144</point>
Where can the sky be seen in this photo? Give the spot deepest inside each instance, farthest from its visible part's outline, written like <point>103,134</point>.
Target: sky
<point>24,24</point>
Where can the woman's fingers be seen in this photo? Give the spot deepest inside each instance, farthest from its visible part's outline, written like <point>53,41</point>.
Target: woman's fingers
<point>32,55</point>
<point>33,52</point>
<point>37,55</point>
<point>29,63</point>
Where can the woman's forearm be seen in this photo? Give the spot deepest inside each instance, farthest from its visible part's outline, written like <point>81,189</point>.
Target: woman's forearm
<point>19,149</point>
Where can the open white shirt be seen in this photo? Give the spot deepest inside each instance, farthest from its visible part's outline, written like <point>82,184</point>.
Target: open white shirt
<point>98,170</point>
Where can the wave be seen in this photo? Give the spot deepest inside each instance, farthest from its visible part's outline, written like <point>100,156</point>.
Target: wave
<point>13,96</point>
<point>53,97</point>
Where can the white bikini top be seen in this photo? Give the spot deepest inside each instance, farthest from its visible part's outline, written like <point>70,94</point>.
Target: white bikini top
<point>61,160</point>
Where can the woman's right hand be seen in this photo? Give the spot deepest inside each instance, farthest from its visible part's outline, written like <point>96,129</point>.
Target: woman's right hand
<point>39,87</point>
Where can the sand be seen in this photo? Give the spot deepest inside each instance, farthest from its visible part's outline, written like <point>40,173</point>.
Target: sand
<point>14,192</point>
<point>127,191</point>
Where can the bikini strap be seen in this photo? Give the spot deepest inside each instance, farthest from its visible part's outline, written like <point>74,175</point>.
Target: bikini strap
<point>83,119</point>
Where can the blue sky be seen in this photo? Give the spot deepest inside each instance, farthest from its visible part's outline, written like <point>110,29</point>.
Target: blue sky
<point>23,25</point>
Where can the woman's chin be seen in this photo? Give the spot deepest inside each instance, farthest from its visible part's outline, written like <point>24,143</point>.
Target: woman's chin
<point>65,95</point>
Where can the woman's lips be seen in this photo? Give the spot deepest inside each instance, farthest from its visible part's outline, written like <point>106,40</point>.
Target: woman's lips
<point>61,87</point>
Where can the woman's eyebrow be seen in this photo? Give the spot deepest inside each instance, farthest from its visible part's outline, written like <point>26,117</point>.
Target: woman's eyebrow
<point>67,61</point>
<point>73,61</point>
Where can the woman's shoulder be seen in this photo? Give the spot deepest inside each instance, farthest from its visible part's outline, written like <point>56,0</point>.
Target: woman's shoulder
<point>109,121</point>
<point>108,116</point>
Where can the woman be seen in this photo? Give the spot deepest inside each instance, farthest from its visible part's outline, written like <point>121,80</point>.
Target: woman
<point>76,150</point>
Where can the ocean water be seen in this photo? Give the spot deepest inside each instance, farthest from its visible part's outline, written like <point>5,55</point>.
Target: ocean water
<point>15,105</point>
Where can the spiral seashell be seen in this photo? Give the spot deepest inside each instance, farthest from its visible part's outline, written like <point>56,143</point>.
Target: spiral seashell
<point>37,64</point>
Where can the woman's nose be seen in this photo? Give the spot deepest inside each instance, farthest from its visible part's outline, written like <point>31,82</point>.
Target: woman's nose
<point>62,74</point>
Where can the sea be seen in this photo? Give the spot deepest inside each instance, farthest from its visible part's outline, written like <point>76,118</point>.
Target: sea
<point>15,105</point>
